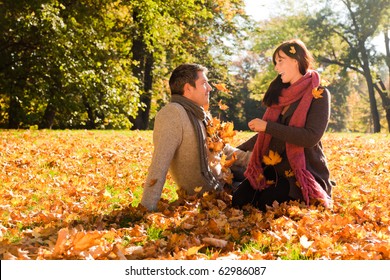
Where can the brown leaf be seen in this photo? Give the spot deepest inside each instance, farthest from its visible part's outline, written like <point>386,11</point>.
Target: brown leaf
<point>215,242</point>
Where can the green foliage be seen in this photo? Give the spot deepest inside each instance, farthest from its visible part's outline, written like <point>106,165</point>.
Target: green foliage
<point>154,233</point>
<point>340,35</point>
<point>105,64</point>
<point>98,64</point>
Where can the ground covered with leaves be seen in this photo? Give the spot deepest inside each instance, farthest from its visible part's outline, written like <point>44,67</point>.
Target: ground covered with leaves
<point>75,195</point>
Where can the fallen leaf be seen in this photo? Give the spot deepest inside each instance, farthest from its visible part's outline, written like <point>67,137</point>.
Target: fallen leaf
<point>215,242</point>
<point>305,242</point>
<point>194,250</point>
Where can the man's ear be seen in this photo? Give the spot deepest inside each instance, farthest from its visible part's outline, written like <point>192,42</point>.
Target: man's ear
<point>187,89</point>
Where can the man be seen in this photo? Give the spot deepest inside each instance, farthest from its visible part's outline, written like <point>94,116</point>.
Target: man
<point>179,138</point>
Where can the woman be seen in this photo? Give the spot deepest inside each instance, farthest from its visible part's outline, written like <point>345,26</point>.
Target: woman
<point>287,162</point>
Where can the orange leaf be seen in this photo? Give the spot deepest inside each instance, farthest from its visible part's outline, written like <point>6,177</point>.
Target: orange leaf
<point>273,158</point>
<point>221,87</point>
<point>222,106</point>
<point>317,92</point>
<point>61,241</point>
<point>289,173</point>
<point>84,240</point>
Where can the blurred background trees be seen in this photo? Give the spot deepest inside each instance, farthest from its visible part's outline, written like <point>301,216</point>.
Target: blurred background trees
<point>104,64</point>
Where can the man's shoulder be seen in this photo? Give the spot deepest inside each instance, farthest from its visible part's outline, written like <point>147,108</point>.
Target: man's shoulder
<point>172,109</point>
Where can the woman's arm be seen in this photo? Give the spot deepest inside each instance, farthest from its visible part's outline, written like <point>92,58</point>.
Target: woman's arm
<point>316,124</point>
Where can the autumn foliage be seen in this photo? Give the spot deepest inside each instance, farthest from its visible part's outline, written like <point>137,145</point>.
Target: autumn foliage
<point>75,195</point>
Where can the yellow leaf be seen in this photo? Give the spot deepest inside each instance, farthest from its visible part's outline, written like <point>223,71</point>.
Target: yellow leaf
<point>227,130</point>
<point>317,92</point>
<point>289,173</point>
<point>260,177</point>
<point>228,162</point>
<point>198,189</point>
<point>221,87</point>
<point>194,250</point>
<point>273,158</point>
<point>222,106</point>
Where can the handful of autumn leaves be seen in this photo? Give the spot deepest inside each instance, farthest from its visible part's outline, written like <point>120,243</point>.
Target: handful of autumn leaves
<point>219,134</point>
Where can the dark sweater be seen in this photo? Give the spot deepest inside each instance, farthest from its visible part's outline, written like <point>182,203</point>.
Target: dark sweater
<point>308,137</point>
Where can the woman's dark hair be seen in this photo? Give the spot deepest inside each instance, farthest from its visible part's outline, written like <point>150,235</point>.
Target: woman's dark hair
<point>185,73</point>
<point>297,50</point>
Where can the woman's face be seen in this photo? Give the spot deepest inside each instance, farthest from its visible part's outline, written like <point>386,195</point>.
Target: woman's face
<point>287,68</point>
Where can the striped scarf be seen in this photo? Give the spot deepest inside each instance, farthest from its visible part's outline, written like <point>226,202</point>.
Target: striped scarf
<point>196,113</point>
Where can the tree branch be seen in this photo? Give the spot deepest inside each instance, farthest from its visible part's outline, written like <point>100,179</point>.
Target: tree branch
<point>336,62</point>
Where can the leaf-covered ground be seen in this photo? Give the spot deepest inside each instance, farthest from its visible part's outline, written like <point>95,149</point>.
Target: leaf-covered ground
<point>75,195</point>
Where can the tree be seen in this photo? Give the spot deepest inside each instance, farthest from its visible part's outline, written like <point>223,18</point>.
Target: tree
<point>64,65</point>
<point>269,35</point>
<point>347,36</point>
<point>172,32</point>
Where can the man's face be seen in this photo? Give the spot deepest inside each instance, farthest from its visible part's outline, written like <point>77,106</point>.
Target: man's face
<point>201,92</point>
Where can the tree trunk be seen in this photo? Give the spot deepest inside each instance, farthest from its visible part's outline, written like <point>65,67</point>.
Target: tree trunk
<point>143,72</point>
<point>381,89</point>
<point>142,120</point>
<point>371,91</point>
<point>48,117</point>
<point>91,116</point>
<point>387,47</point>
<point>14,113</point>
<point>373,104</point>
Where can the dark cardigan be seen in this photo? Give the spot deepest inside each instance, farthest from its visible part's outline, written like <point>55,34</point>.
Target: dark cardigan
<point>308,137</point>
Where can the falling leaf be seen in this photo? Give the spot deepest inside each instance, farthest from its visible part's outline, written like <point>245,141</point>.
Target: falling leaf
<point>222,106</point>
<point>273,158</point>
<point>221,87</point>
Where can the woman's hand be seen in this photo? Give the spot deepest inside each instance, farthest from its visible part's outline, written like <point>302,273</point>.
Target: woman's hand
<point>257,125</point>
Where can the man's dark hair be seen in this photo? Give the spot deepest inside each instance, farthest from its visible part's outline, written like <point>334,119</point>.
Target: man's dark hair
<point>185,73</point>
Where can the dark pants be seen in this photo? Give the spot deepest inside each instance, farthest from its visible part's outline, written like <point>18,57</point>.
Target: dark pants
<point>245,194</point>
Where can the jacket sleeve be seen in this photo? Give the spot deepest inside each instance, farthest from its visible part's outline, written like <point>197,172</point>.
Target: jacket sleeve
<point>249,144</point>
<point>167,136</point>
<point>316,123</point>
